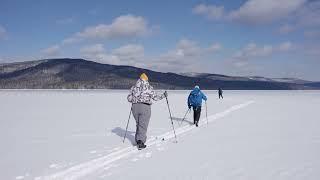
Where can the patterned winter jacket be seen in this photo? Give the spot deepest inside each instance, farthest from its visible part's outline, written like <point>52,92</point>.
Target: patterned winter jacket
<point>142,92</point>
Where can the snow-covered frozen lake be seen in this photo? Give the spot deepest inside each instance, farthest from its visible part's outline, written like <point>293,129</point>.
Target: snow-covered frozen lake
<point>69,134</point>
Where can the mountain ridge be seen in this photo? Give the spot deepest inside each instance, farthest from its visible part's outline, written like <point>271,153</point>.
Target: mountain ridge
<point>68,73</point>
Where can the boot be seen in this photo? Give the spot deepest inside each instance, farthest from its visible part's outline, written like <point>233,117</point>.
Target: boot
<point>140,145</point>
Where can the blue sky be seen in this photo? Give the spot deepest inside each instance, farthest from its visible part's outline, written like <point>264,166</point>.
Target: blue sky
<point>239,37</point>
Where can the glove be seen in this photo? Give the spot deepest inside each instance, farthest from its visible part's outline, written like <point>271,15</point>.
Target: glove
<point>165,94</point>
<point>189,106</point>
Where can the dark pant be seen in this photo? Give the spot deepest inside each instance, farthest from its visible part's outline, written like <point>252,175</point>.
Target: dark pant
<point>196,114</point>
<point>220,95</point>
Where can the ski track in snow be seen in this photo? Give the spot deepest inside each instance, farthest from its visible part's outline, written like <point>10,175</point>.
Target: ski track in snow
<point>86,168</point>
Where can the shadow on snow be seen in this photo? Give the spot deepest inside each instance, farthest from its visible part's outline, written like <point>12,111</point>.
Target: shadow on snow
<point>121,132</point>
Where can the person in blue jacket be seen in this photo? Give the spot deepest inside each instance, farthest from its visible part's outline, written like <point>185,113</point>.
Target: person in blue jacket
<point>195,101</point>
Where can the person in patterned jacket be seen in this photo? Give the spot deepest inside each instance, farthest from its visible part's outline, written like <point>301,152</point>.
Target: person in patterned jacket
<point>141,96</point>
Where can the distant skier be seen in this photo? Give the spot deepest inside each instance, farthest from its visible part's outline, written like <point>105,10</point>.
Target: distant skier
<point>195,101</point>
<point>141,96</point>
<point>220,93</point>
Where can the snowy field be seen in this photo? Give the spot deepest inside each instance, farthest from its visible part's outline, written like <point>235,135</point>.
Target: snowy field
<point>251,135</point>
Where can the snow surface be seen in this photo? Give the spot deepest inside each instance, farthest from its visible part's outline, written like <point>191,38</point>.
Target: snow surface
<point>70,134</point>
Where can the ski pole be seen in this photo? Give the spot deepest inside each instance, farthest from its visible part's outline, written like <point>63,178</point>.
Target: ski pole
<point>184,117</point>
<point>171,120</point>
<point>124,137</point>
<point>206,113</point>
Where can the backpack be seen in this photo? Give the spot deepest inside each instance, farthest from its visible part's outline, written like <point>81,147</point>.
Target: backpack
<point>193,99</point>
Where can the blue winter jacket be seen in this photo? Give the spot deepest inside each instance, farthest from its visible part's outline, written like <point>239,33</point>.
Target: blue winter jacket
<point>195,98</point>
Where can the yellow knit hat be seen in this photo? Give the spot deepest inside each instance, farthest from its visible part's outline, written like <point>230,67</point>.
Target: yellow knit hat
<point>144,77</point>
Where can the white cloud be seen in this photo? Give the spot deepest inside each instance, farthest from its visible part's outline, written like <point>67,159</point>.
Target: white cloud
<point>253,51</point>
<point>97,52</point>
<point>309,15</point>
<point>265,11</point>
<point>210,11</point>
<point>93,49</point>
<point>306,18</point>
<point>186,47</point>
<point>106,59</point>
<point>185,56</point>
<point>214,47</point>
<point>3,32</point>
<point>51,51</point>
<point>189,48</point>
<point>252,11</point>
<point>293,15</point>
<point>246,60</point>
<point>71,40</point>
<point>125,26</point>
<point>240,64</point>
<point>129,52</point>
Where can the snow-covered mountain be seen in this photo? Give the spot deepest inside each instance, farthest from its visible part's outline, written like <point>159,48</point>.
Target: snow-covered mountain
<point>83,74</point>
<point>244,78</point>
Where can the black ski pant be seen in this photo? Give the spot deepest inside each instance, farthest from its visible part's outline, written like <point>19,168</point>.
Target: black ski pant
<point>220,95</point>
<point>196,114</point>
